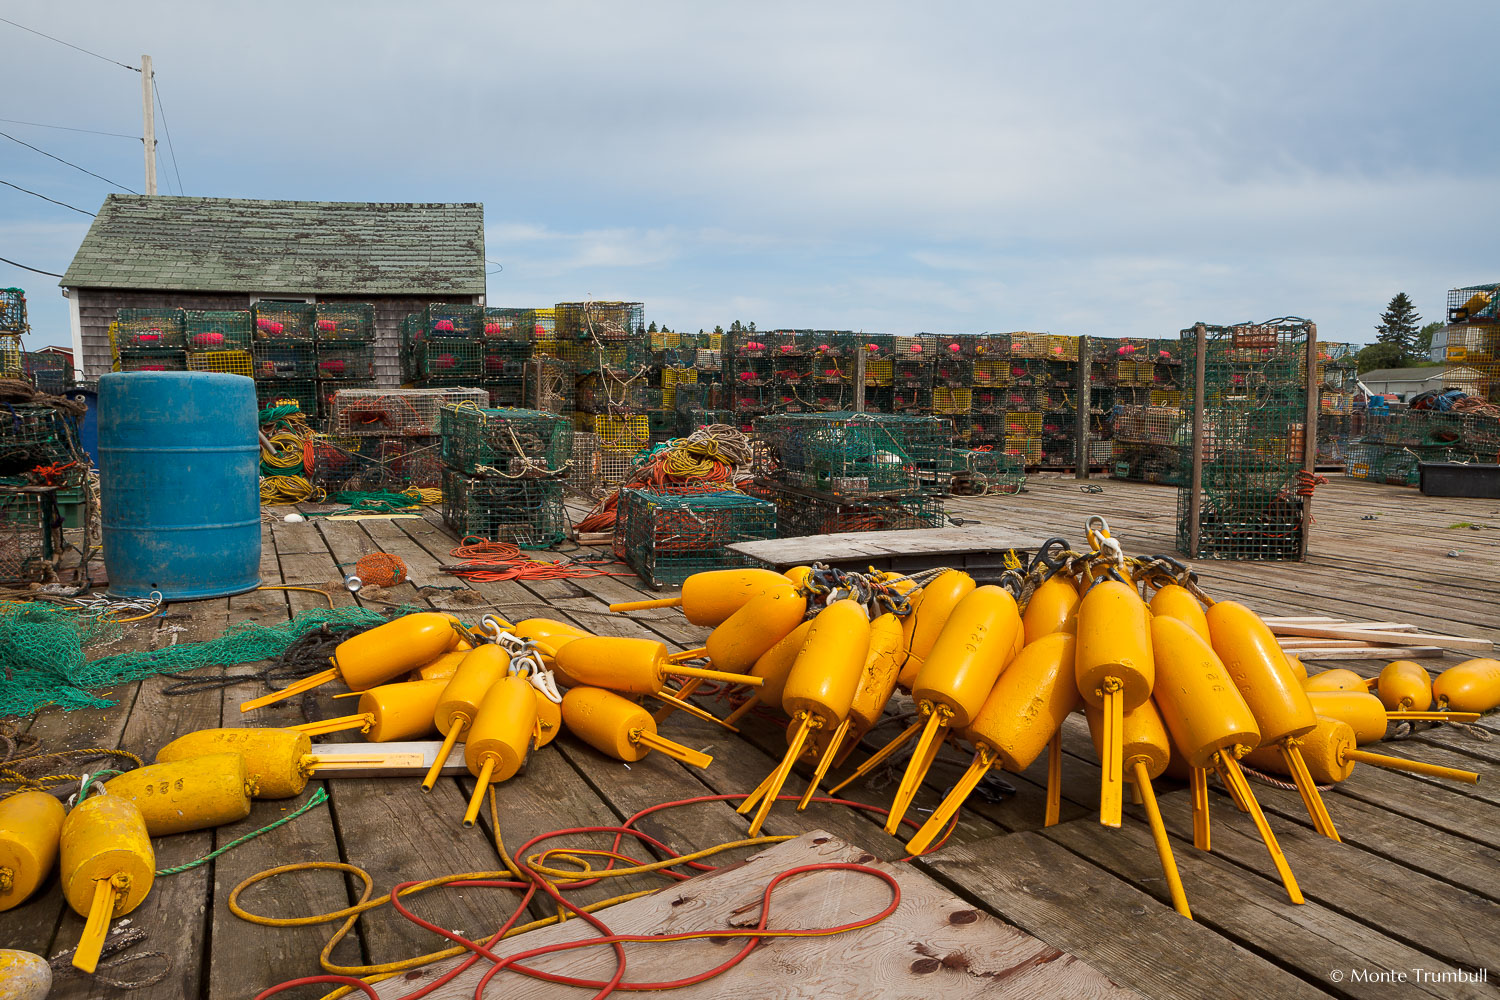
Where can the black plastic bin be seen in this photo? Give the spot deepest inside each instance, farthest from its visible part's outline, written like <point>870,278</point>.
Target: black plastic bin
<point>1460,479</point>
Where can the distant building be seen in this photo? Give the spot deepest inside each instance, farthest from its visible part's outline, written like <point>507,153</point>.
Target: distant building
<point>228,253</point>
<point>1404,383</point>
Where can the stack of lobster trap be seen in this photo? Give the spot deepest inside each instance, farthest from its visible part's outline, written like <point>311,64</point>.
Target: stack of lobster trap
<point>847,471</point>
<point>503,474</point>
<point>385,439</point>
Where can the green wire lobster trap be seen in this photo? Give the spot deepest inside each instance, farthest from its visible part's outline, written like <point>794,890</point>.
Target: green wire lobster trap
<point>666,536</point>
<point>524,512</point>
<point>854,454</point>
<point>1242,499</point>
<point>507,442</point>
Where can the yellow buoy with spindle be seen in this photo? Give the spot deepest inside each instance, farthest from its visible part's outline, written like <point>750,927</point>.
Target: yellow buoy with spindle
<point>458,702</point>
<point>772,669</point>
<point>1331,752</point>
<point>976,642</point>
<point>1472,686</point>
<point>930,609</point>
<point>620,728</point>
<point>1053,608</point>
<point>501,737</point>
<point>1020,716</point>
<point>1404,686</point>
<point>1115,673</point>
<point>107,867</point>
<point>388,713</point>
<point>380,655</point>
<point>709,598</point>
<point>1339,679</point>
<point>1366,715</point>
<point>1174,601</point>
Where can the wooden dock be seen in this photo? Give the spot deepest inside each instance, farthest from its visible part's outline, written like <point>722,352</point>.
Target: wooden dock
<point>1414,886</point>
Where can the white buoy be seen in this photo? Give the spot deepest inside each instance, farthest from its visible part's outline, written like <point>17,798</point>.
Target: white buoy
<point>23,976</point>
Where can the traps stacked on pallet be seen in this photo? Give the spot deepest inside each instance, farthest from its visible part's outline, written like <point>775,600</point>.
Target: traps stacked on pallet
<point>385,438</point>
<point>38,459</point>
<point>503,474</point>
<point>344,349</point>
<point>219,340</point>
<point>1149,442</point>
<point>667,534</point>
<point>859,471</point>
<point>149,340</point>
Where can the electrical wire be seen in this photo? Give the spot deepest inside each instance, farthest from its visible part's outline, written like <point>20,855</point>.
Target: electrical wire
<point>33,270</point>
<point>45,198</point>
<point>69,128</point>
<point>168,130</point>
<point>70,45</point>
<point>70,163</point>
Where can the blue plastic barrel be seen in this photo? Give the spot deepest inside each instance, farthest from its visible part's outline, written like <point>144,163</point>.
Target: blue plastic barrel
<point>179,461</point>
<point>88,424</point>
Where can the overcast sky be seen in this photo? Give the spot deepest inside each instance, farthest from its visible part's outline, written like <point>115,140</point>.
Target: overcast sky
<point>1101,168</point>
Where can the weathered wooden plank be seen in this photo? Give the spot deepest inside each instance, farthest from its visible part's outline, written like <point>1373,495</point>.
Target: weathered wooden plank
<point>1127,935</point>
<point>933,945</point>
<point>1312,940</point>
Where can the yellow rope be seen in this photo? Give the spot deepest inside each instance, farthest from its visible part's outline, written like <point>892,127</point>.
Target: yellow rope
<point>288,490</point>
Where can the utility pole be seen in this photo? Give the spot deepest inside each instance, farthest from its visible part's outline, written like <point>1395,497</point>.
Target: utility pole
<point>148,109</point>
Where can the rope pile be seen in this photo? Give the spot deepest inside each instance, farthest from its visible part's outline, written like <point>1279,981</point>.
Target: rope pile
<point>284,467</point>
<point>494,562</point>
<point>708,460</point>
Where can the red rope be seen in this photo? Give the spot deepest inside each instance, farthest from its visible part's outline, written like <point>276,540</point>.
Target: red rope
<point>495,562</point>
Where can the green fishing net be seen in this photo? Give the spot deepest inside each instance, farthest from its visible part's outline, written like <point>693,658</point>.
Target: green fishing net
<point>43,653</point>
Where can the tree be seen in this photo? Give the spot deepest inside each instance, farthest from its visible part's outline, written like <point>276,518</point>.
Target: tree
<point>1398,327</point>
<point>735,327</point>
<point>1378,355</point>
<point>652,327</point>
<point>751,327</point>
<point>1424,338</point>
<point>718,329</point>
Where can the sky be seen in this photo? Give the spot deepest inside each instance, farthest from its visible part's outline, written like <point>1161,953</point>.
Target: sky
<point>1072,167</point>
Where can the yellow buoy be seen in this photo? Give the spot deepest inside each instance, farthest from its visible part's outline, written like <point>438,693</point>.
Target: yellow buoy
<point>1173,601</point>
<point>382,654</point>
<point>746,635</point>
<point>1404,686</point>
<point>619,727</point>
<point>1336,680</point>
<point>24,976</point>
<point>1331,753</point>
<point>709,598</point>
<point>274,758</point>
<point>1053,608</point>
<point>818,693</point>
<point>772,669</point>
<point>388,713</point>
<point>30,825</point>
<point>197,793</point>
<point>107,867</point>
<point>1115,672</point>
<point>501,737</point>
<point>1251,654</point>
<point>1017,721</point>
<point>458,702</point>
<point>957,675</point>
<point>1472,686</point>
<point>441,668</point>
<point>930,609</point>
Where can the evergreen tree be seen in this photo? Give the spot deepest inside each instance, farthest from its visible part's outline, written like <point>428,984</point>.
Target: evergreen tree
<point>652,327</point>
<point>1424,338</point>
<point>718,329</point>
<point>751,327</point>
<point>735,327</point>
<point>1398,327</point>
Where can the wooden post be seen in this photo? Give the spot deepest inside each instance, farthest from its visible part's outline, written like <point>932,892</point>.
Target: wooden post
<point>860,358</point>
<point>1085,403</point>
<point>148,109</point>
<point>1310,433</point>
<point>1195,486</point>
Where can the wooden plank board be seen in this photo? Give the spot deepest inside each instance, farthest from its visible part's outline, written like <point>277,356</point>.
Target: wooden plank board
<point>1127,935</point>
<point>785,552</point>
<point>933,945</point>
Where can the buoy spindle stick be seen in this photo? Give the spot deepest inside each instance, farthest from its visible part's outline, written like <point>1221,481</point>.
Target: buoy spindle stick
<point>880,756</point>
<point>952,803</point>
<point>824,763</point>
<point>297,687</point>
<point>1054,780</point>
<point>456,729</point>
<point>714,675</point>
<point>1159,835</point>
<point>739,713</point>
<point>1231,770</point>
<point>1112,789</point>
<point>694,710</point>
<point>688,687</point>
<point>101,909</point>
<point>363,721</point>
<point>700,653</point>
<point>1308,789</point>
<point>480,785</point>
<point>1414,766</point>
<point>1198,784</point>
<point>783,770</point>
<point>927,747</point>
<point>1435,716</point>
<point>665,602</point>
<point>672,749</point>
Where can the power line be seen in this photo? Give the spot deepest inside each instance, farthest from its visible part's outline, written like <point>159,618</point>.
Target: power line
<point>167,129</point>
<point>33,270</point>
<point>70,45</point>
<point>45,198</point>
<point>66,128</point>
<point>75,166</point>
